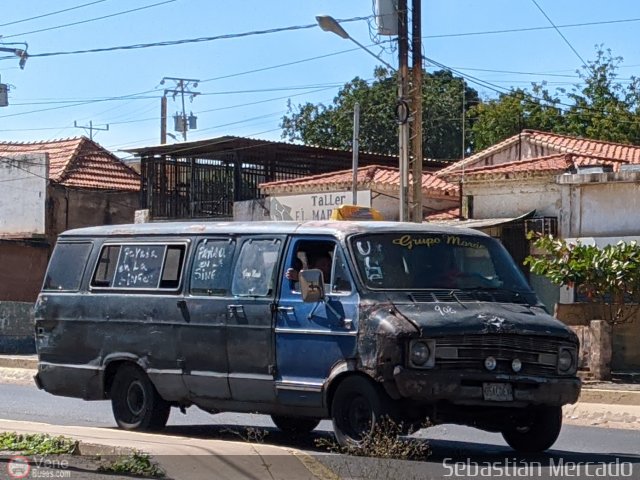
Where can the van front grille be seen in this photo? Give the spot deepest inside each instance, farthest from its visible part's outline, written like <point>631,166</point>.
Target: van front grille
<point>537,354</point>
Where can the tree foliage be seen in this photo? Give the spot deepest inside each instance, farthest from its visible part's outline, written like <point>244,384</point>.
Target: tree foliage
<point>601,107</point>
<point>609,275</point>
<point>332,125</point>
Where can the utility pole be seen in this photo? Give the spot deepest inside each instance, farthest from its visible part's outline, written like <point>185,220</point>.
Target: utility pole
<point>163,119</point>
<point>416,83</point>
<point>91,128</point>
<point>355,147</point>
<point>403,110</point>
<point>182,88</point>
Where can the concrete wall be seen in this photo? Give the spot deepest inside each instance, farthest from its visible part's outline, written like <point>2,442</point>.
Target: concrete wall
<point>76,208</point>
<point>22,268</point>
<point>502,199</point>
<point>601,205</point>
<point>625,336</point>
<point>388,205</point>
<point>16,328</point>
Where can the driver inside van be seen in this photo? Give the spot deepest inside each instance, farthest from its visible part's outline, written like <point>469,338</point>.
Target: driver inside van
<point>319,260</point>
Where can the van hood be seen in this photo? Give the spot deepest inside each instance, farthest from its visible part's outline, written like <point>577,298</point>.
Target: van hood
<point>450,318</point>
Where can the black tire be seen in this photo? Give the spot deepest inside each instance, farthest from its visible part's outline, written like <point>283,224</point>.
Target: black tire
<point>357,405</point>
<point>135,402</point>
<point>295,425</point>
<point>537,433</point>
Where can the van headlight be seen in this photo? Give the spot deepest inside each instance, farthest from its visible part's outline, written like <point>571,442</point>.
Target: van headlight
<point>567,362</point>
<point>422,353</point>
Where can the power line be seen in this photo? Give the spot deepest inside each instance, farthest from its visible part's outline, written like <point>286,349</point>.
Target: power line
<point>189,40</point>
<point>51,13</point>
<point>559,32</point>
<point>90,19</point>
<point>531,29</point>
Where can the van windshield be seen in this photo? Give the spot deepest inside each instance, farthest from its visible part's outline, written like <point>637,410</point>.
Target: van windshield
<point>414,260</point>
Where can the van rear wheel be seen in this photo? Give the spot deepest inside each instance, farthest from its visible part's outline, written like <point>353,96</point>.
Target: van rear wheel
<point>135,402</point>
<point>357,407</point>
<point>295,425</point>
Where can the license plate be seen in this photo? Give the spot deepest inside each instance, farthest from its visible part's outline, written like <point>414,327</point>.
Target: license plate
<point>497,392</point>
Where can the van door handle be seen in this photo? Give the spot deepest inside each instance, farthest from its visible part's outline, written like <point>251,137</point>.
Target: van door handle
<point>235,308</point>
<point>285,309</point>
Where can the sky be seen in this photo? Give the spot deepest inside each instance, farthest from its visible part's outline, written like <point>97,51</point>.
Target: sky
<point>246,81</point>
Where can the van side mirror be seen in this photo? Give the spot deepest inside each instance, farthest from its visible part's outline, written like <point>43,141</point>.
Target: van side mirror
<point>311,285</point>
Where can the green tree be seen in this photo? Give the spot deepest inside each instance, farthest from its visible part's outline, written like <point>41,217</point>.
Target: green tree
<point>332,125</point>
<point>601,107</point>
<point>609,276</point>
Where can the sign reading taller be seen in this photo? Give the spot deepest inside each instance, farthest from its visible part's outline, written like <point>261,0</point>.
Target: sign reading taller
<point>23,194</point>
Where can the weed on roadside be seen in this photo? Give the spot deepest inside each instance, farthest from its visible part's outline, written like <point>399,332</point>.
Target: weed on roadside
<point>136,463</point>
<point>37,444</point>
<point>384,441</point>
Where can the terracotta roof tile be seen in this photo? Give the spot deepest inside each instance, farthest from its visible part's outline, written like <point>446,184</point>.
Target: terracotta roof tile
<point>81,163</point>
<point>370,176</point>
<point>599,148</point>
<point>531,167</point>
<point>448,214</point>
<point>615,152</point>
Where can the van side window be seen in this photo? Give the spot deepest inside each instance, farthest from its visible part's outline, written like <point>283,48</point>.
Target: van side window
<point>341,279</point>
<point>211,273</point>
<point>255,269</point>
<point>106,266</point>
<point>139,266</point>
<point>66,266</point>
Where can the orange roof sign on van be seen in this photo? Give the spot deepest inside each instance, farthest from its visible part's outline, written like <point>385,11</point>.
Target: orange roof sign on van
<point>354,212</point>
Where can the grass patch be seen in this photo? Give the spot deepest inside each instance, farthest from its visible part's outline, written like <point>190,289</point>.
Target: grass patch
<point>37,444</point>
<point>136,463</point>
<point>384,441</point>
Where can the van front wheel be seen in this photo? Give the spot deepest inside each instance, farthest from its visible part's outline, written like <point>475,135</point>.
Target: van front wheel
<point>295,425</point>
<point>537,433</point>
<point>357,406</point>
<point>135,402</point>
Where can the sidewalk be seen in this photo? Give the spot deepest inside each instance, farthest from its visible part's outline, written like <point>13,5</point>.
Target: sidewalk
<point>602,404</point>
<point>194,458</point>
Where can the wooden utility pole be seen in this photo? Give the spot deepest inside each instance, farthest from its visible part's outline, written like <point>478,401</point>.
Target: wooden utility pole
<point>416,107</point>
<point>163,120</point>
<point>403,110</point>
<point>91,128</point>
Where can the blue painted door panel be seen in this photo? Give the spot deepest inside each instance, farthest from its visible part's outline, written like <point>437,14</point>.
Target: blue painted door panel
<point>311,338</point>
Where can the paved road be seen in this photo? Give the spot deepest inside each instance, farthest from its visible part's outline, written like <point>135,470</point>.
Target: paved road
<point>453,447</point>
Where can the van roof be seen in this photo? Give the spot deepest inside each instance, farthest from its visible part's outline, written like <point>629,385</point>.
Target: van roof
<point>335,228</point>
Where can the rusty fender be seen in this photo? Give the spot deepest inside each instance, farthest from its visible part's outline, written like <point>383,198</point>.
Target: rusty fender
<point>381,343</point>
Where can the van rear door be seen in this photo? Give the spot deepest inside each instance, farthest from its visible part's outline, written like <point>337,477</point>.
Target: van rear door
<point>250,312</point>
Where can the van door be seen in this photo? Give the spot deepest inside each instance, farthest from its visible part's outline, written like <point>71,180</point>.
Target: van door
<point>203,334</point>
<point>311,338</point>
<point>250,341</point>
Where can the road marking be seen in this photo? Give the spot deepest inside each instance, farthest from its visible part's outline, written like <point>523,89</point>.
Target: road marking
<point>315,468</point>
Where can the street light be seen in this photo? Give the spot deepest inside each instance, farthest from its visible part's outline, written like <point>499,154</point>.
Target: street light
<point>330,24</point>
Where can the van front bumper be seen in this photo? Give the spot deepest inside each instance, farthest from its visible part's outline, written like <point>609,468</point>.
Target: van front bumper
<point>466,388</point>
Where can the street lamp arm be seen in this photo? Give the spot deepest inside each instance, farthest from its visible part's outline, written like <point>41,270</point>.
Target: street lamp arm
<point>386,64</point>
<point>330,24</point>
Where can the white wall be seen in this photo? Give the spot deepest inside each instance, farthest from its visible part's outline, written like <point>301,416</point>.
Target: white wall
<point>23,188</point>
<point>502,199</point>
<point>602,208</point>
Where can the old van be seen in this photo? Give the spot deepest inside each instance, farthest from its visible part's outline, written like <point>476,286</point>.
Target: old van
<point>343,320</point>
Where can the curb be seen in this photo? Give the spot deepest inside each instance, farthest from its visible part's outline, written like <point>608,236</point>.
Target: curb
<point>19,361</point>
<point>619,397</point>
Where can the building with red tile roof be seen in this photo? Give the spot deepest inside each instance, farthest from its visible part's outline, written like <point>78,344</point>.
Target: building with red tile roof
<point>50,187</point>
<point>380,183</point>
<point>79,163</point>
<point>572,187</point>
<point>531,144</point>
